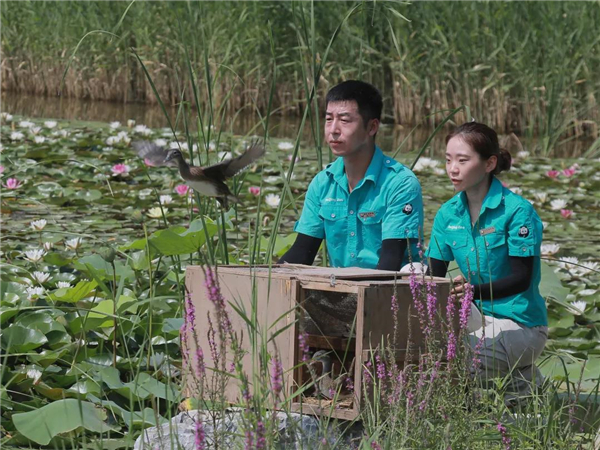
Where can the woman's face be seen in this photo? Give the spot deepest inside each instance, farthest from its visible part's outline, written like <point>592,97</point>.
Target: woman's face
<point>466,169</point>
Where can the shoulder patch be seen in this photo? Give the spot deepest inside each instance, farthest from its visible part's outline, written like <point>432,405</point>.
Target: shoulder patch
<point>523,231</point>
<point>408,209</point>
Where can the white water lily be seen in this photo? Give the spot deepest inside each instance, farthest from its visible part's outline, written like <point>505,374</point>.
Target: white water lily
<point>272,200</point>
<point>130,123</point>
<point>145,193</point>
<point>6,116</point>
<point>38,225</point>
<point>61,133</point>
<point>121,136</point>
<point>545,225</point>
<point>73,244</point>
<point>523,154</point>
<point>586,267</point>
<point>50,124</point>
<point>550,249</point>
<point>39,139</point>
<point>516,190</point>
<point>155,213</point>
<point>35,130</point>
<point>579,306</point>
<point>568,262</point>
<point>34,374</point>
<point>34,255</point>
<point>223,155</point>
<point>558,204</point>
<point>26,124</point>
<point>439,171</point>
<point>541,197</point>
<point>165,199</point>
<point>285,145</point>
<point>114,125</point>
<point>34,292</point>
<point>587,292</point>
<point>63,284</point>
<point>48,245</point>
<point>212,146</point>
<point>17,136</point>
<point>142,129</point>
<point>160,142</point>
<point>425,163</point>
<point>41,277</point>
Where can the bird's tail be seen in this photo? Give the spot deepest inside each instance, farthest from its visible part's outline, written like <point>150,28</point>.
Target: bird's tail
<point>224,200</point>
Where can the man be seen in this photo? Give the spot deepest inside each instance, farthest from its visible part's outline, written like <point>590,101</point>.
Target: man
<point>366,205</point>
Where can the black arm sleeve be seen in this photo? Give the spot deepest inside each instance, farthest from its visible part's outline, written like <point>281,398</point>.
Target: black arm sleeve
<point>437,267</point>
<point>303,251</point>
<point>519,279</point>
<point>392,254</point>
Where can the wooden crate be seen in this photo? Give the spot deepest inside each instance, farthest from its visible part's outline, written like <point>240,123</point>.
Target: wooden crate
<point>277,300</point>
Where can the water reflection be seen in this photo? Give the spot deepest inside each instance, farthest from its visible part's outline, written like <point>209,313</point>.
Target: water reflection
<point>392,138</point>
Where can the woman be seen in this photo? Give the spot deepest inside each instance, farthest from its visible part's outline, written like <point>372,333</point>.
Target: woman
<point>495,237</point>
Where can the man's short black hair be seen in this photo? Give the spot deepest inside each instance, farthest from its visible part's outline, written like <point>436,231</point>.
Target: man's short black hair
<point>366,96</point>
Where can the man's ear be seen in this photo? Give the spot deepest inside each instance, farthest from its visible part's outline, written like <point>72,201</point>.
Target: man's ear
<point>491,164</point>
<point>373,127</point>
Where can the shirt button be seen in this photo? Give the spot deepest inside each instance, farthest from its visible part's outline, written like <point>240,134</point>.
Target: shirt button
<point>487,244</point>
<point>387,161</point>
<point>472,249</point>
<point>332,215</point>
<point>352,233</point>
<point>352,255</point>
<point>351,212</point>
<point>454,243</point>
<point>472,272</point>
<point>524,249</point>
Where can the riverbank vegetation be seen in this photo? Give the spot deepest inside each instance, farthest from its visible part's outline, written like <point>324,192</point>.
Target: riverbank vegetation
<point>530,68</point>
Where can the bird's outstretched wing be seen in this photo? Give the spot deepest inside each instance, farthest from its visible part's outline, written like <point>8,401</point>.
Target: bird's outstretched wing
<point>231,167</point>
<point>152,154</point>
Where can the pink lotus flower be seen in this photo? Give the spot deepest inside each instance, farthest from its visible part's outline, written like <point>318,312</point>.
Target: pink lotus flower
<point>505,184</point>
<point>12,183</point>
<point>254,190</point>
<point>1,170</point>
<point>569,172</point>
<point>553,174</point>
<point>566,213</point>
<point>120,169</point>
<point>149,163</point>
<point>182,189</point>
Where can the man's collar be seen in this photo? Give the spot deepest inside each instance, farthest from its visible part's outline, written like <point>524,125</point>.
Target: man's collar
<point>337,169</point>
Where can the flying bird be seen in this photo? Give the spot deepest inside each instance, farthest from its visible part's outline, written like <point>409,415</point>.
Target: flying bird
<point>209,180</point>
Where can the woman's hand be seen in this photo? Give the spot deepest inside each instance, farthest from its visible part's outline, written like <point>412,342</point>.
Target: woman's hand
<point>458,289</point>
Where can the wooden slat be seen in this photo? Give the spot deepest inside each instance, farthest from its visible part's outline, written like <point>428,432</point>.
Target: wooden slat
<point>332,342</point>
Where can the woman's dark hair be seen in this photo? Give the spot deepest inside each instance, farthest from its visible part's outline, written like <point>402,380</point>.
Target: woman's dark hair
<point>484,141</point>
<point>366,96</point>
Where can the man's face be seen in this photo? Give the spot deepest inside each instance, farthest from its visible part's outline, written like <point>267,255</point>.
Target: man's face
<point>345,131</point>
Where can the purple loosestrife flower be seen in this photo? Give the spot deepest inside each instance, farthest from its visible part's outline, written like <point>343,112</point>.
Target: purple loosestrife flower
<point>214,295</point>
<point>465,306</point>
<point>303,345</point>
<point>431,304</point>
<point>415,289</point>
<point>375,445</point>
<point>276,376</point>
<point>476,364</point>
<point>249,440</point>
<point>200,365</point>
<point>395,308</point>
<point>504,433</point>
<point>199,436</point>
<point>367,373</point>
<point>349,383</point>
<point>261,440</point>
<point>380,367</point>
<point>212,344</point>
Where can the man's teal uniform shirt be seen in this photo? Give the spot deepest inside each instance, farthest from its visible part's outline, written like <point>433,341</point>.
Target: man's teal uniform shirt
<point>507,226</point>
<point>386,204</point>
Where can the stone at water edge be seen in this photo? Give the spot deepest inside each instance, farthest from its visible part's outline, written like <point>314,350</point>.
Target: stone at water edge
<point>296,431</point>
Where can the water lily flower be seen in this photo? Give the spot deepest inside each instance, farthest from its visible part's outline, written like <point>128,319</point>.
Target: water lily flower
<point>439,171</point>
<point>523,154</point>
<point>553,174</point>
<point>130,123</point>
<point>568,172</point>
<point>12,183</point>
<point>6,116</point>
<point>254,190</point>
<point>48,245</point>
<point>223,155</point>
<point>285,145</point>
<point>517,190</point>
<point>73,244</point>
<point>38,225</point>
<point>34,255</point>
<point>586,267</point>
<point>1,170</point>
<point>63,284</point>
<point>142,129</point>
<point>39,139</point>
<point>579,306</point>
<point>34,374</point>
<point>165,199</point>
<point>586,292</point>
<point>114,125</point>
<point>558,204</point>
<point>272,200</point>
<point>17,136</point>
<point>541,197</point>
<point>120,169</point>
<point>41,277</point>
<point>26,124</point>
<point>425,163</point>
<point>32,292</point>
<point>50,124</point>
<point>289,158</point>
<point>566,213</point>
<point>155,213</point>
<point>160,142</point>
<point>550,249</point>
<point>568,262</point>
<point>182,189</point>
<point>212,146</point>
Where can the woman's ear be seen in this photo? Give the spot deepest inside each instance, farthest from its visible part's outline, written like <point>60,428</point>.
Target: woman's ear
<point>491,164</point>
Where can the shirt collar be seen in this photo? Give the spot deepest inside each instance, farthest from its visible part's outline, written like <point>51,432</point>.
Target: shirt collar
<point>492,200</point>
<point>337,169</point>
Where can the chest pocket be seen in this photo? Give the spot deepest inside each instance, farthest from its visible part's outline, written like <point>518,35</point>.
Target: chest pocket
<point>336,224</point>
<point>457,242</point>
<point>496,251</point>
<point>370,221</point>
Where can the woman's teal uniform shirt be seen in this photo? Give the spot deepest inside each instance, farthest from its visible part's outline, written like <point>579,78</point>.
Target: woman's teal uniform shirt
<point>507,226</point>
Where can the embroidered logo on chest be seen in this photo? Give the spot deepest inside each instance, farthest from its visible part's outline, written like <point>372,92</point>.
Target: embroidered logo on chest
<point>408,209</point>
<point>364,215</point>
<point>523,232</point>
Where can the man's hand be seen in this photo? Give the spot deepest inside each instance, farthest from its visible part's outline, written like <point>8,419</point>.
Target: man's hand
<point>458,289</point>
